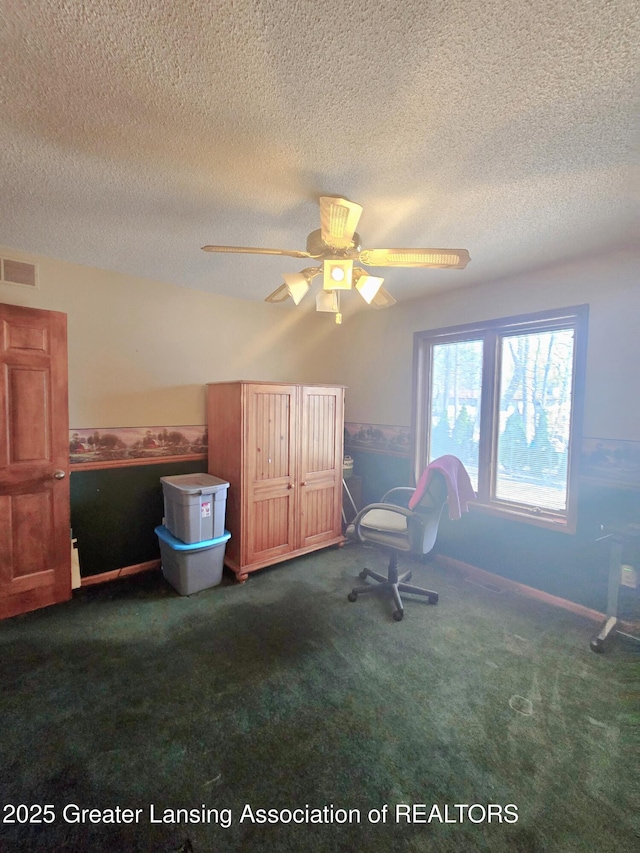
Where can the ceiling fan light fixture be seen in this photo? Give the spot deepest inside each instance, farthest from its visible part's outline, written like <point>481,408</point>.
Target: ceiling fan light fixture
<point>328,300</point>
<point>337,275</point>
<point>335,246</point>
<point>297,283</point>
<point>366,285</point>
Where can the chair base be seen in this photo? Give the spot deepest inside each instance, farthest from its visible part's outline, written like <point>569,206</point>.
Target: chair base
<point>395,584</point>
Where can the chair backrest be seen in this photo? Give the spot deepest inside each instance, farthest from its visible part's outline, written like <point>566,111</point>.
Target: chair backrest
<point>435,494</point>
<point>430,509</point>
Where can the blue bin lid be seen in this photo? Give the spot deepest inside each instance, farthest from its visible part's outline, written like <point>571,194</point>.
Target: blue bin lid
<point>179,545</point>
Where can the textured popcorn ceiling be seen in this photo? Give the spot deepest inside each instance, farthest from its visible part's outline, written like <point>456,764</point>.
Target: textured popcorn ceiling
<point>132,133</point>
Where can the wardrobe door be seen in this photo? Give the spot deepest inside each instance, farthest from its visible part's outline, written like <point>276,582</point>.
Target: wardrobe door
<point>320,465</point>
<point>270,462</point>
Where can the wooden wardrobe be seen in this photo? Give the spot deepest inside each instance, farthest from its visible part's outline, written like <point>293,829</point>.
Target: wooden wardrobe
<point>281,449</point>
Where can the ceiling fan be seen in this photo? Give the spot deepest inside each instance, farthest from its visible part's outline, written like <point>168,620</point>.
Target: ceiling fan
<point>337,245</point>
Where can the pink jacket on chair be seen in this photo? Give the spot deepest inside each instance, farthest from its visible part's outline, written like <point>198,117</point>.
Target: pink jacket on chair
<point>459,489</point>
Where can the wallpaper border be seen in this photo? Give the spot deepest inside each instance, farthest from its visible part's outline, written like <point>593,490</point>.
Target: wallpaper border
<point>603,461</point>
<point>378,438</point>
<point>112,447</point>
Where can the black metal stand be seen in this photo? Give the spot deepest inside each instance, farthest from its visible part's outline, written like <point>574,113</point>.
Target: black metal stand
<point>619,536</point>
<point>351,500</point>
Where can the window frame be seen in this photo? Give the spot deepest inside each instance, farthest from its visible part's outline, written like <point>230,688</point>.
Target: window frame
<point>491,332</point>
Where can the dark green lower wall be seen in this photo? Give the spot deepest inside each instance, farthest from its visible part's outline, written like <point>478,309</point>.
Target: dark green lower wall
<point>574,567</point>
<point>114,512</point>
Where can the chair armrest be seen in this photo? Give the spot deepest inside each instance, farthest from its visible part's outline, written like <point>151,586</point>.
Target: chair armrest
<point>399,491</point>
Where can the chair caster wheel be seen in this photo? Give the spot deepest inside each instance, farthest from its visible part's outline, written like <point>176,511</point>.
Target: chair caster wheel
<point>352,596</point>
<point>363,575</point>
<point>398,615</point>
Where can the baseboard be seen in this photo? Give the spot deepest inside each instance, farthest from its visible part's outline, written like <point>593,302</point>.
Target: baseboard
<point>484,578</point>
<point>120,573</point>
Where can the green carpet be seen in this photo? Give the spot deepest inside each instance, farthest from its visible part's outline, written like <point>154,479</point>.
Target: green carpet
<point>280,694</point>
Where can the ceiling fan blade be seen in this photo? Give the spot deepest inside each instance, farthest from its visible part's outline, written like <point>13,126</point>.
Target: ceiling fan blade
<point>279,294</point>
<point>251,250</point>
<point>338,220</point>
<point>382,299</point>
<point>455,259</point>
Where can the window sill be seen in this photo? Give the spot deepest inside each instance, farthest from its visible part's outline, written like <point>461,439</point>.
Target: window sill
<point>561,524</point>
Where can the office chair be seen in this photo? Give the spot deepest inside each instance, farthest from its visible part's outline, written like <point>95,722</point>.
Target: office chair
<point>393,525</point>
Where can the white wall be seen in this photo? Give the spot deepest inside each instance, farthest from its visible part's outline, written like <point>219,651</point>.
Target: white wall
<point>372,354</point>
<point>141,352</point>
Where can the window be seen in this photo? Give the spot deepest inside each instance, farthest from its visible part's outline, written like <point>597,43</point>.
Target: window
<point>505,396</point>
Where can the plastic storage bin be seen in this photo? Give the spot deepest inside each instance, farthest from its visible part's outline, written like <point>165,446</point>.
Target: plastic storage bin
<point>194,506</point>
<point>191,568</point>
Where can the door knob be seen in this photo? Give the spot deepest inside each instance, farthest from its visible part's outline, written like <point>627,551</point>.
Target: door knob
<point>59,475</point>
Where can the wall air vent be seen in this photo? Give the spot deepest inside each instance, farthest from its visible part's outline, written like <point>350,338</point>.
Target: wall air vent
<point>18,272</point>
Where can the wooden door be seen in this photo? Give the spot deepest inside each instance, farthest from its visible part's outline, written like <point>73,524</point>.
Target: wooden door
<point>270,485</point>
<point>35,548</point>
<point>320,467</point>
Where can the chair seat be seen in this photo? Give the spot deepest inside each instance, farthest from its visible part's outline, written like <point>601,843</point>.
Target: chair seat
<point>385,520</point>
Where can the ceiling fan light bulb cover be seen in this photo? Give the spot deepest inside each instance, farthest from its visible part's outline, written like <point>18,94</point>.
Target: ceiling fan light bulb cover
<point>368,286</point>
<point>327,300</point>
<point>337,275</point>
<point>297,285</point>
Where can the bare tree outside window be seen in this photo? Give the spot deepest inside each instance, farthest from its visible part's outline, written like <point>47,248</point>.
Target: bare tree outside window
<point>505,396</point>
<point>535,417</point>
<point>456,388</point>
